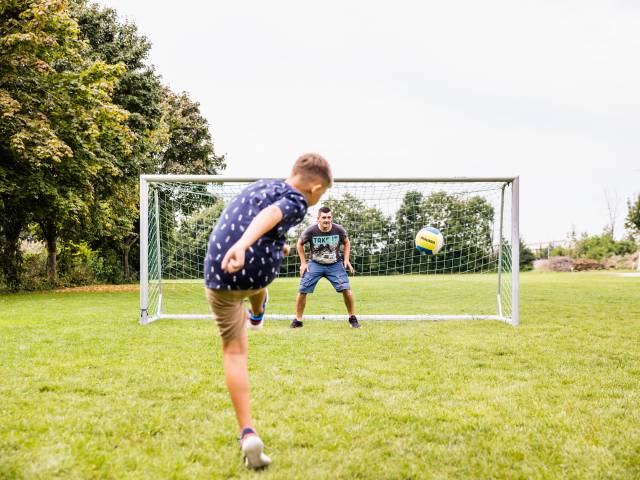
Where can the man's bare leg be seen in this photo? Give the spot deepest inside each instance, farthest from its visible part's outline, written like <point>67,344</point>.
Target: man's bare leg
<point>349,301</point>
<point>301,302</point>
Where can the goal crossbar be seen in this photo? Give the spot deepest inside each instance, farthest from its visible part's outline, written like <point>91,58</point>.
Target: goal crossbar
<point>222,178</point>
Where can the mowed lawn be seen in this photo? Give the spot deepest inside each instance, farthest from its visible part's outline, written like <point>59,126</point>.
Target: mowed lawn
<point>85,392</point>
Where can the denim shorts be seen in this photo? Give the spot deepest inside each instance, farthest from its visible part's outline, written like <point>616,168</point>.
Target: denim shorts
<point>334,272</point>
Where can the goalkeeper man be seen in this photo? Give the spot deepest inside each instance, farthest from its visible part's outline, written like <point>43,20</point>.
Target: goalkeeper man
<point>325,261</point>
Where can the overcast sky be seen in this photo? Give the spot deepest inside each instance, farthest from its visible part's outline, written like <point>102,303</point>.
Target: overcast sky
<point>548,90</point>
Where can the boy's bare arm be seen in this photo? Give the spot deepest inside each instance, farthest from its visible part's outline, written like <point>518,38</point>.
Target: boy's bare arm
<point>261,224</point>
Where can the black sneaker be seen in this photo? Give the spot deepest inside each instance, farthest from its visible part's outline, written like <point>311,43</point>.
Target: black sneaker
<point>296,324</point>
<point>353,322</point>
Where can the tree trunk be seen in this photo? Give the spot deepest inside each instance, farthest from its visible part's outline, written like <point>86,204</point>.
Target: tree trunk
<point>11,258</point>
<point>128,243</point>
<point>52,259</point>
<point>125,261</point>
<point>51,236</point>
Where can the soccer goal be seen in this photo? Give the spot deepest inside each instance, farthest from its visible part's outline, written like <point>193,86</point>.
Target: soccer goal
<point>474,277</point>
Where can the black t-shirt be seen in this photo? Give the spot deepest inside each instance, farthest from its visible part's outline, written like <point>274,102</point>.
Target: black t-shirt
<point>325,246</point>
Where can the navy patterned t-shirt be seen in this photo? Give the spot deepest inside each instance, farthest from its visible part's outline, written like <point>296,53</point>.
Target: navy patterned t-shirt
<point>263,258</point>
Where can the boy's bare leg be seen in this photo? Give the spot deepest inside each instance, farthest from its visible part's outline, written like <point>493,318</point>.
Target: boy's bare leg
<point>257,300</point>
<point>234,360</point>
<point>301,302</point>
<point>349,301</point>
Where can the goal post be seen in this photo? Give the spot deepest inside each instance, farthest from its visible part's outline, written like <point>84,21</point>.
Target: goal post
<point>478,217</point>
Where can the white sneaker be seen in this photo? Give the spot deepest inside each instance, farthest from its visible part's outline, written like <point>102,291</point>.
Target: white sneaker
<point>252,449</point>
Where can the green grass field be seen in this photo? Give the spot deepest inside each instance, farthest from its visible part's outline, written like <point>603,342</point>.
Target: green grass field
<point>85,392</point>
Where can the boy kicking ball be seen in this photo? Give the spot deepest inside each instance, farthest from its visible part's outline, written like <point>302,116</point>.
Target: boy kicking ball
<point>244,253</point>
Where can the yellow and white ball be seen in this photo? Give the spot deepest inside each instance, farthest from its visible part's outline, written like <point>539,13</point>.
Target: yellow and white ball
<point>429,240</point>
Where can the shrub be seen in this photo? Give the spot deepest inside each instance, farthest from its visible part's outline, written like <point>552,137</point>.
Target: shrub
<point>81,265</point>
<point>598,247</point>
<point>34,271</point>
<point>561,252</point>
<point>526,257</point>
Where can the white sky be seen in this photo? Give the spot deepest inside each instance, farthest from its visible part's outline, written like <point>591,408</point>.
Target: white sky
<point>548,90</point>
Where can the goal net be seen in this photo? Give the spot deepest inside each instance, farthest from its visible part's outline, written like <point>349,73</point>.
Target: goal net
<point>474,276</point>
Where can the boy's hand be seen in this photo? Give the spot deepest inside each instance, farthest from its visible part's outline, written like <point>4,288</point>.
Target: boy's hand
<point>286,250</point>
<point>234,259</point>
<point>303,268</point>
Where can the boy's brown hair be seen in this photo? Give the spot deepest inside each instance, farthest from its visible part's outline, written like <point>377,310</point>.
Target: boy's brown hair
<point>313,166</point>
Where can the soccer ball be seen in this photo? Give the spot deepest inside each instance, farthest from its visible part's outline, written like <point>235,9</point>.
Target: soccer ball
<point>429,240</point>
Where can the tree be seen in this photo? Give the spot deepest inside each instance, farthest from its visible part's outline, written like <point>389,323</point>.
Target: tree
<point>633,216</point>
<point>190,240</point>
<point>189,147</point>
<point>60,131</point>
<point>408,220</point>
<point>81,117</point>
<point>612,200</point>
<point>526,257</point>
<point>466,224</point>
<point>116,219</point>
<point>598,247</point>
<point>171,134</point>
<point>633,221</point>
<point>368,229</point>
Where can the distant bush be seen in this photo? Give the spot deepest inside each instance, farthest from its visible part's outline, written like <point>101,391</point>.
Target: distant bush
<point>596,247</point>
<point>526,257</point>
<point>79,264</point>
<point>599,247</point>
<point>561,252</point>
<point>34,268</point>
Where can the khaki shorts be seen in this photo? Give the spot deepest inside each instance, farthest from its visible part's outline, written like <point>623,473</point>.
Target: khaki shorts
<point>229,312</point>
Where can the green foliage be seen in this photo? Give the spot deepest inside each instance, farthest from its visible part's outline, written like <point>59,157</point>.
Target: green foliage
<point>386,245</point>
<point>82,265</point>
<point>113,230</point>
<point>368,229</point>
<point>189,147</point>
<point>60,133</point>
<point>81,116</point>
<point>598,247</point>
<point>526,257</point>
<point>633,216</point>
<point>466,225</point>
<point>595,247</point>
<point>171,134</point>
<point>34,275</point>
<point>191,240</point>
<point>561,251</point>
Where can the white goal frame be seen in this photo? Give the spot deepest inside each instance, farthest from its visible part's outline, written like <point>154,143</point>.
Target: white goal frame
<point>514,319</point>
